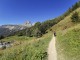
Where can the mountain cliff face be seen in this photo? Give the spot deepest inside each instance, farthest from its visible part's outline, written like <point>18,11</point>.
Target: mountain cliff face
<point>9,29</point>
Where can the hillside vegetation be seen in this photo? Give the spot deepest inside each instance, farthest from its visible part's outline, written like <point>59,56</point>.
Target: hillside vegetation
<point>66,22</point>
<point>32,43</point>
<point>68,44</point>
<point>28,49</point>
<point>68,38</point>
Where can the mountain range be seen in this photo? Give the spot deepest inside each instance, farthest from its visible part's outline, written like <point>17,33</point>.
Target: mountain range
<point>8,29</point>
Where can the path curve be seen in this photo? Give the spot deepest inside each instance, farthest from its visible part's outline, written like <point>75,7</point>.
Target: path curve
<point>52,54</point>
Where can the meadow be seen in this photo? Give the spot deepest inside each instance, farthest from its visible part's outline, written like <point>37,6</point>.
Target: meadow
<point>68,38</point>
<point>68,44</point>
<point>29,49</point>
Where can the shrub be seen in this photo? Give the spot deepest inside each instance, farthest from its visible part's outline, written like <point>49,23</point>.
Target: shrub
<point>75,17</point>
<point>1,37</point>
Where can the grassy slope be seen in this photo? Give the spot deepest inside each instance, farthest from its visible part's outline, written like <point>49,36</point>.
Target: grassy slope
<point>29,49</point>
<point>68,44</point>
<point>68,39</point>
<point>65,23</point>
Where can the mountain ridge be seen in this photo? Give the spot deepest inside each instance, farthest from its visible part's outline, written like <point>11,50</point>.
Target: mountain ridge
<point>10,28</point>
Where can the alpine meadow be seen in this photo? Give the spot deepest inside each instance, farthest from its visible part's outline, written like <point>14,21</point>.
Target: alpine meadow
<point>53,39</point>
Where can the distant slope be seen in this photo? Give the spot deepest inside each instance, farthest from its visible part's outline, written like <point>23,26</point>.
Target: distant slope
<point>10,29</point>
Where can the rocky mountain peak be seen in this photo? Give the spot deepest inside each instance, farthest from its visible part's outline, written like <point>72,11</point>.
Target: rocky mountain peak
<point>28,24</point>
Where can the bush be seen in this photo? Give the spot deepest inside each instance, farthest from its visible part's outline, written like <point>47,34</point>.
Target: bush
<point>75,17</point>
<point>37,33</point>
<point>1,37</point>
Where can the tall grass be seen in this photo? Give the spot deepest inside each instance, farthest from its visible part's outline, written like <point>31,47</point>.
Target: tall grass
<point>68,38</point>
<point>68,44</point>
<point>33,50</point>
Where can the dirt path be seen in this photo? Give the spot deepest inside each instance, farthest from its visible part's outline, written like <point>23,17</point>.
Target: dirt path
<point>52,54</point>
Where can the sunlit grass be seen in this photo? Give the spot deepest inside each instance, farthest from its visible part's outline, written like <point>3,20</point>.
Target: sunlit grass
<point>68,43</point>
<point>29,49</point>
<point>68,38</point>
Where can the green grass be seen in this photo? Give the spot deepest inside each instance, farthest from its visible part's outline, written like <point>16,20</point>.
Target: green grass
<point>66,22</point>
<point>18,38</point>
<point>68,44</point>
<point>35,49</point>
<point>68,38</point>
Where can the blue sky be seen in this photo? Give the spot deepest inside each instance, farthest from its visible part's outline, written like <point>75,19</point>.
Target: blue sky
<point>19,11</point>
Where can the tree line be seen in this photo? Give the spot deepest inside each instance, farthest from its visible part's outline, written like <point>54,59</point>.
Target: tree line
<point>38,29</point>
